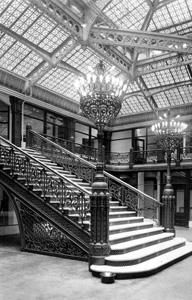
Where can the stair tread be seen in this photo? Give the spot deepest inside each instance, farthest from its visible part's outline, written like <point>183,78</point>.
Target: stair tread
<point>140,241</point>
<point>116,236</point>
<point>149,265</point>
<point>129,225</point>
<point>140,253</point>
<point>126,218</point>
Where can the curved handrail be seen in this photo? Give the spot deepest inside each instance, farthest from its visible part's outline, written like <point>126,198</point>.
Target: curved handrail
<point>105,173</point>
<point>46,167</point>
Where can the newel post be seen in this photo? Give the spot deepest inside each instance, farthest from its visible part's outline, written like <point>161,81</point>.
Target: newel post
<point>99,207</point>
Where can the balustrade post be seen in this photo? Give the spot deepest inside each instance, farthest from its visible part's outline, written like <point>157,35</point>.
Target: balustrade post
<point>99,207</point>
<point>28,136</point>
<point>168,200</point>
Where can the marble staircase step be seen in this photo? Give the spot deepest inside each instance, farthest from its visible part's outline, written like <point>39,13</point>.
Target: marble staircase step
<point>140,255</point>
<point>129,227</point>
<point>124,220</point>
<point>139,243</point>
<point>147,267</point>
<point>127,236</point>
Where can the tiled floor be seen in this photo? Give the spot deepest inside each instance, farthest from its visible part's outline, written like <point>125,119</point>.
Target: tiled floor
<point>25,276</point>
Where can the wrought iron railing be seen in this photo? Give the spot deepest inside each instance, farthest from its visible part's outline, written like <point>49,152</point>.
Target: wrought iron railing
<point>123,192</point>
<point>90,153</point>
<point>84,151</point>
<point>50,184</point>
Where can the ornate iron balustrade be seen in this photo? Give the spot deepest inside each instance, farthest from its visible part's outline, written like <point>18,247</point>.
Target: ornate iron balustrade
<point>50,185</point>
<point>126,194</point>
<point>89,153</point>
<point>68,160</point>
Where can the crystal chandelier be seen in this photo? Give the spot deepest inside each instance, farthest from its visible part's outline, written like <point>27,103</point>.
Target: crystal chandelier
<point>169,130</point>
<point>101,95</point>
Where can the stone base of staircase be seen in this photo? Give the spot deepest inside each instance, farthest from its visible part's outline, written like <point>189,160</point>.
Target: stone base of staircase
<point>145,268</point>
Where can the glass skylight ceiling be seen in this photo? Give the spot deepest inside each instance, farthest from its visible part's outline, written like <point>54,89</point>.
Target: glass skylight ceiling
<point>42,35</point>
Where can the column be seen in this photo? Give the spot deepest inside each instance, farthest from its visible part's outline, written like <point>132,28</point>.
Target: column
<point>16,109</point>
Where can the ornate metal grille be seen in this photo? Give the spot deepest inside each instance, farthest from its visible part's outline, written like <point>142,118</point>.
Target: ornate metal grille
<point>36,177</point>
<point>41,236</point>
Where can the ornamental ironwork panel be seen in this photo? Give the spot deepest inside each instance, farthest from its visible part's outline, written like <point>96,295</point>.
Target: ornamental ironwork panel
<point>119,190</point>
<point>63,157</point>
<point>38,178</point>
<point>41,236</point>
<point>134,200</point>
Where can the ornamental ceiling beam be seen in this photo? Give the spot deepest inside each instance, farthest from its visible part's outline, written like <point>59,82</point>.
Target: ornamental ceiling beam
<point>56,59</point>
<point>60,16</point>
<point>162,63</point>
<point>145,25</point>
<point>49,8</point>
<point>141,39</point>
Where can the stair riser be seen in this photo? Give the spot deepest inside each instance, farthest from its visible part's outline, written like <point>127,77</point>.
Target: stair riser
<point>121,215</point>
<point>142,259</point>
<point>144,226</point>
<point>127,221</point>
<point>133,237</point>
<point>137,247</point>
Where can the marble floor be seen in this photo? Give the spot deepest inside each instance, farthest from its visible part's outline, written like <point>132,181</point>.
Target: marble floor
<point>26,276</point>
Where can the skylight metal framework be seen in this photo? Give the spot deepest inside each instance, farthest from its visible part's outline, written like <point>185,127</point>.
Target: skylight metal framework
<point>49,42</point>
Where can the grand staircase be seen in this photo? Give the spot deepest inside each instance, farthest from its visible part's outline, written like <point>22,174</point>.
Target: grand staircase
<point>139,247</point>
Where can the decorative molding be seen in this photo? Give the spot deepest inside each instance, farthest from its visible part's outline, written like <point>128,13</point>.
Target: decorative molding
<point>141,39</point>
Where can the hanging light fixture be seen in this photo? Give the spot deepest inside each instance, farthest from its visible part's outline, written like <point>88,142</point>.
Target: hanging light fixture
<point>101,95</point>
<point>169,131</point>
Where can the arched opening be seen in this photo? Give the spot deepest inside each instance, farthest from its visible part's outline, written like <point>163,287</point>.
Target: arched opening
<point>9,227</point>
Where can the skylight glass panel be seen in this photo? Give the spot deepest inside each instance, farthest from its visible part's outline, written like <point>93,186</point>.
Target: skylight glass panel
<point>4,4</point>
<point>165,77</point>
<point>179,11</point>
<point>127,14</point>
<point>161,100</point>
<point>180,74</point>
<point>174,96</point>
<point>186,93</point>
<point>151,80</point>
<point>14,55</point>
<point>59,81</point>
<point>39,30</point>
<point>82,59</point>
<point>25,20</point>
<point>56,37</point>
<point>5,43</point>
<point>27,64</point>
<point>135,104</point>
<point>13,12</point>
<point>161,18</point>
